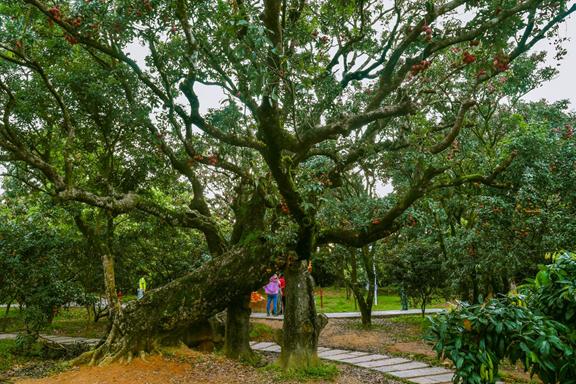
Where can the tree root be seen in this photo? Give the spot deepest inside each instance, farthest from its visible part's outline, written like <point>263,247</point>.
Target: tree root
<point>120,351</point>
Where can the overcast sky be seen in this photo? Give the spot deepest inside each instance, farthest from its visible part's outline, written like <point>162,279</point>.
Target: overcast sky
<point>564,85</point>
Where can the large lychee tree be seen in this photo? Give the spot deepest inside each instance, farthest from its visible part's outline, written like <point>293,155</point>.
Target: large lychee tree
<point>309,92</point>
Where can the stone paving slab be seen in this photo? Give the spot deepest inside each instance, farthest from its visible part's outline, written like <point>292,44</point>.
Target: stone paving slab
<point>322,349</point>
<point>439,379</point>
<point>332,352</point>
<point>358,353</point>
<point>272,348</point>
<point>381,363</point>
<point>363,359</point>
<point>62,340</point>
<point>340,357</point>
<point>421,372</point>
<point>401,367</point>
<point>262,345</point>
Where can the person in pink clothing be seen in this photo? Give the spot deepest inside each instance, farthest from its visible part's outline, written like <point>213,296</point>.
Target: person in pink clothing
<point>272,289</point>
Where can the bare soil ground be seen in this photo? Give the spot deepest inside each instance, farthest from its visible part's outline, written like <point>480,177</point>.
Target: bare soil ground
<point>191,367</point>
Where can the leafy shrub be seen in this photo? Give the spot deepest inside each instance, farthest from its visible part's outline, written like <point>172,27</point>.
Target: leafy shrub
<point>536,327</point>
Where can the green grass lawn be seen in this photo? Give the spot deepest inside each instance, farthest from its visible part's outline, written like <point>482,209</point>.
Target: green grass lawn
<point>334,300</point>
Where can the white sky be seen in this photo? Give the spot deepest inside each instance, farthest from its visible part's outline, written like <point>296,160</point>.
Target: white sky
<point>564,85</point>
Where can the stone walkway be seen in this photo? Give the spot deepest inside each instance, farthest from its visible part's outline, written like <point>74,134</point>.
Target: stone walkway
<point>407,370</point>
<point>55,339</point>
<point>355,315</point>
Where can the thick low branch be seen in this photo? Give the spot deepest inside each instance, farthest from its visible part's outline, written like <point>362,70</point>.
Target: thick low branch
<point>172,313</point>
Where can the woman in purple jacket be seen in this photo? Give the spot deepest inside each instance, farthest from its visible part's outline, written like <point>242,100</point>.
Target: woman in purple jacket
<point>272,289</point>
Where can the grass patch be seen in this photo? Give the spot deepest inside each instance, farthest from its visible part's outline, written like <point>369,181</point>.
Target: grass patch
<point>322,371</point>
<point>7,358</point>
<point>334,300</point>
<point>261,332</point>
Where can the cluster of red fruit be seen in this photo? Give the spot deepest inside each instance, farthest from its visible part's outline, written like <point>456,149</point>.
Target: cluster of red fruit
<point>500,63</point>
<point>75,22</point>
<point>468,58</point>
<point>422,66</point>
<point>323,39</point>
<point>148,5</point>
<point>427,31</point>
<point>55,13</point>
<point>213,159</point>
<point>284,208</point>
<point>376,221</point>
<point>71,39</point>
<point>412,220</point>
<point>569,131</point>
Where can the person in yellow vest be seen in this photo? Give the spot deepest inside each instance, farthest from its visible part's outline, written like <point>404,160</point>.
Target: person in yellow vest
<point>141,288</point>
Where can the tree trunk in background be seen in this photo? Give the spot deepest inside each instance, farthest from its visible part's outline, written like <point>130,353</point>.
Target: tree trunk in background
<point>364,303</point>
<point>110,284</point>
<point>100,240</point>
<point>302,325</point>
<point>237,339</point>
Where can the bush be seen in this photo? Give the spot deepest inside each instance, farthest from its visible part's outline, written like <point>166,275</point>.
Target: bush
<point>536,327</point>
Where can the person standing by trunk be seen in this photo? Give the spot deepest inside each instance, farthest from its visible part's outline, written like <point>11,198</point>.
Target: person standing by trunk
<point>272,289</point>
<point>282,283</point>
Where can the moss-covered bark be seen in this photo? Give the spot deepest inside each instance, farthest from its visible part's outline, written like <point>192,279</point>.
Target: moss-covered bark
<point>302,325</point>
<point>237,343</point>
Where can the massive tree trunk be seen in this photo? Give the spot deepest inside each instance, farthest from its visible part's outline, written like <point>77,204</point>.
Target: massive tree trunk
<point>177,311</point>
<point>237,343</point>
<point>302,325</point>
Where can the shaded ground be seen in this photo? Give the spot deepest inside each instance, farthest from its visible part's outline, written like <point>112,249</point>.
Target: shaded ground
<point>186,366</point>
